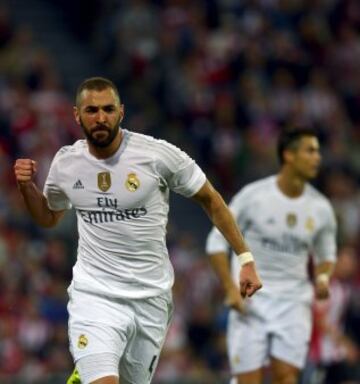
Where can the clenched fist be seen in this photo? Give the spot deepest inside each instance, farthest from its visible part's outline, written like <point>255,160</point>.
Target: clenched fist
<point>322,287</point>
<point>25,170</point>
<point>249,280</point>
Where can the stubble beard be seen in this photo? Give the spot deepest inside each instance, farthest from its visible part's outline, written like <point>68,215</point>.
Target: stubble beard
<point>101,143</point>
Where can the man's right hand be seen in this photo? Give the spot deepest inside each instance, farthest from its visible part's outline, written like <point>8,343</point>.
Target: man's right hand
<point>249,280</point>
<point>25,169</point>
<point>35,200</point>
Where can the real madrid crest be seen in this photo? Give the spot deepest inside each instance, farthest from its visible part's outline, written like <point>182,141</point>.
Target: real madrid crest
<point>104,181</point>
<point>82,342</point>
<point>291,220</point>
<point>132,182</point>
<point>310,224</point>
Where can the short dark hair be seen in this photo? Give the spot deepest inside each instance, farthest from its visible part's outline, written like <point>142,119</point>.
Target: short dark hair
<point>95,84</point>
<point>289,139</point>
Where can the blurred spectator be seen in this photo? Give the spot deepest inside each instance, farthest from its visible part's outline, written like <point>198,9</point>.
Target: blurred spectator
<point>335,355</point>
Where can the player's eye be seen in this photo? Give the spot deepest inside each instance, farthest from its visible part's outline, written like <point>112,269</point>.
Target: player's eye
<point>313,150</point>
<point>91,109</point>
<point>109,108</point>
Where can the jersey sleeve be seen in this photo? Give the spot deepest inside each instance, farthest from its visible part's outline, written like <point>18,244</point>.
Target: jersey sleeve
<point>325,242</point>
<point>178,169</point>
<point>215,241</point>
<point>56,197</point>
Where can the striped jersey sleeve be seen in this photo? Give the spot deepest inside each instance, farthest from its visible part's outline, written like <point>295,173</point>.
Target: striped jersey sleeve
<point>56,198</point>
<point>178,169</point>
<point>325,247</point>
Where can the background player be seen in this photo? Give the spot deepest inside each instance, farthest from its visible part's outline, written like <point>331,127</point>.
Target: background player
<point>119,182</point>
<point>283,219</point>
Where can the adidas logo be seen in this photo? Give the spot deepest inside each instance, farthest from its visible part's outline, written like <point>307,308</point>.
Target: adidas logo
<point>78,185</point>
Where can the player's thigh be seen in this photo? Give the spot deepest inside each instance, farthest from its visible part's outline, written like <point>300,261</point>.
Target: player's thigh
<point>107,380</point>
<point>283,372</point>
<point>253,377</point>
<point>98,324</point>
<point>247,342</point>
<point>141,356</point>
<point>291,332</point>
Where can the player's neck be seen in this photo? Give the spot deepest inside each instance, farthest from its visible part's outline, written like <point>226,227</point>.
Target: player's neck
<point>290,185</point>
<point>104,153</point>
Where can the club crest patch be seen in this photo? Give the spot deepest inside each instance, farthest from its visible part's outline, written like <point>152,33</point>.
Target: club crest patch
<point>291,220</point>
<point>82,342</point>
<point>104,181</point>
<point>132,182</point>
<point>310,224</point>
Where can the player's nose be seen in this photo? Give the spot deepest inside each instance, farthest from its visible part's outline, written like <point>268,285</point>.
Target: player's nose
<point>101,116</point>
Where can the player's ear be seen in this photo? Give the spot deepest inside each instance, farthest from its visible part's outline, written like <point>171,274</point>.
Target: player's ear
<point>122,112</point>
<point>288,155</point>
<point>76,114</point>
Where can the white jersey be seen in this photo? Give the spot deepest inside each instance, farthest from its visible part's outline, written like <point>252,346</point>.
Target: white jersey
<point>122,208</point>
<point>281,233</point>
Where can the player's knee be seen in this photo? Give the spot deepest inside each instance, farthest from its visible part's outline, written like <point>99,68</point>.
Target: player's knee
<point>101,368</point>
<point>286,378</point>
<point>107,380</point>
<point>254,377</point>
<point>247,381</point>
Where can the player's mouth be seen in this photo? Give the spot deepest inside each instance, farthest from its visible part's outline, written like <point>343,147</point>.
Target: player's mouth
<point>100,131</point>
<point>315,169</point>
<point>316,166</point>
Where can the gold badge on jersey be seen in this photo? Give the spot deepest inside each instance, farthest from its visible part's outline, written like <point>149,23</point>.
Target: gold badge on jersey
<point>310,224</point>
<point>82,342</point>
<point>236,359</point>
<point>132,182</point>
<point>104,181</point>
<point>291,220</point>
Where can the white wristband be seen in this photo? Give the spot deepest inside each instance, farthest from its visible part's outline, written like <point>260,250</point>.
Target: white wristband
<point>245,257</point>
<point>322,278</point>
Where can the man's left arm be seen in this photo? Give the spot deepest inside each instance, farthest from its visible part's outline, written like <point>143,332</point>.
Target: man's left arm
<point>323,272</point>
<point>220,215</point>
<point>325,255</point>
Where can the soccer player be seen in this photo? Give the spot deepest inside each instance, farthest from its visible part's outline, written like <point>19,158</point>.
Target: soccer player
<point>284,219</point>
<point>118,181</point>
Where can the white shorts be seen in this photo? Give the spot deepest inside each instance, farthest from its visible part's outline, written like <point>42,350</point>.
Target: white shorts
<point>132,330</point>
<point>276,328</point>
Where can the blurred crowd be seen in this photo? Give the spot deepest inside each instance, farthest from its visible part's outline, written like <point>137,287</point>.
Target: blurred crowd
<point>219,78</point>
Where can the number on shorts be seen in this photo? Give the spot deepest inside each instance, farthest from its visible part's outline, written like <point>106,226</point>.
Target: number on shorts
<point>151,367</point>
